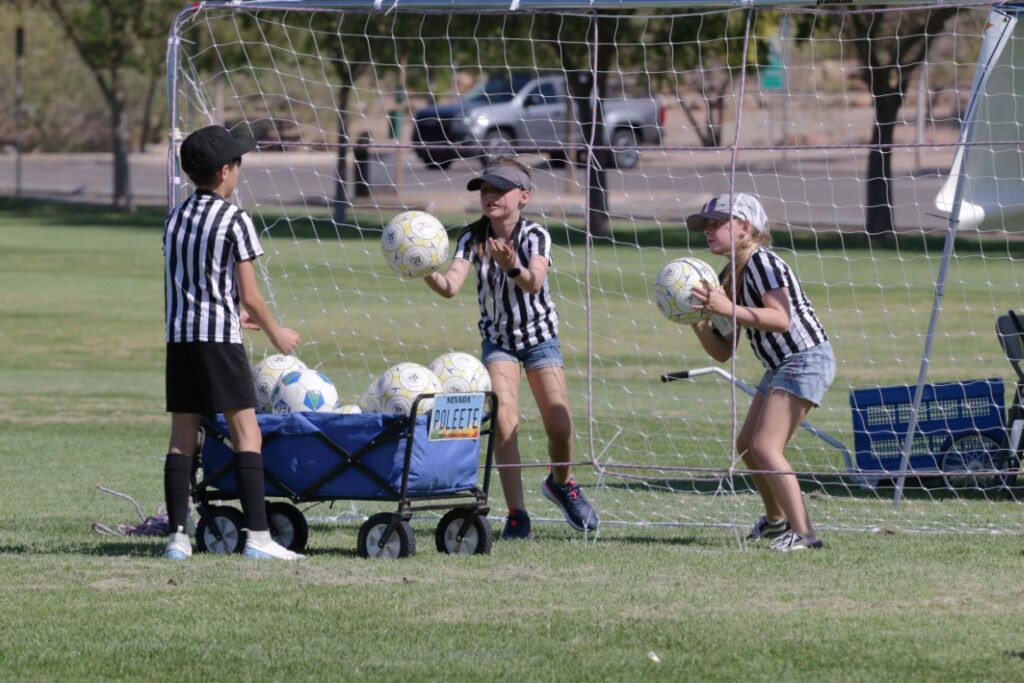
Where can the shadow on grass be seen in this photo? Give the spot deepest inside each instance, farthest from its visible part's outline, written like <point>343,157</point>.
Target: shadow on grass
<point>626,232</point>
<point>839,486</point>
<point>666,540</point>
<point>106,549</point>
<point>73,214</point>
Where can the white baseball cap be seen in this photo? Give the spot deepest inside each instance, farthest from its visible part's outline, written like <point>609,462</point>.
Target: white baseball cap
<point>740,205</point>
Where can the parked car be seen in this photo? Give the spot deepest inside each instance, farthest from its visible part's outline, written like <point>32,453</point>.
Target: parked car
<point>529,112</point>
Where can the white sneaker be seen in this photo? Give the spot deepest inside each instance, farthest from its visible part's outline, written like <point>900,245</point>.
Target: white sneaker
<point>179,547</point>
<point>260,546</point>
<point>794,541</point>
<point>764,528</point>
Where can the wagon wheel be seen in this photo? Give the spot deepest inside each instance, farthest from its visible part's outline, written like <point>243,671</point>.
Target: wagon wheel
<point>478,538</point>
<point>972,453</point>
<point>288,525</point>
<point>220,531</point>
<point>400,542</point>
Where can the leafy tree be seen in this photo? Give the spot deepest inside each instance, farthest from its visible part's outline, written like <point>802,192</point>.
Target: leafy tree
<point>111,37</point>
<point>703,53</point>
<point>603,34</point>
<point>890,46</point>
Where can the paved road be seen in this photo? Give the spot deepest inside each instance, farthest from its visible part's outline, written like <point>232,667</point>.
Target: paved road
<point>813,188</point>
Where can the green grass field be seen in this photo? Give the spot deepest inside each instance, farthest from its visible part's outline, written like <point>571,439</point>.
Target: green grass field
<point>82,404</point>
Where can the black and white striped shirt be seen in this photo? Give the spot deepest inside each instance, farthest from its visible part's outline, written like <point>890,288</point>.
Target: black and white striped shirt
<point>765,271</point>
<point>203,239</point>
<point>510,317</point>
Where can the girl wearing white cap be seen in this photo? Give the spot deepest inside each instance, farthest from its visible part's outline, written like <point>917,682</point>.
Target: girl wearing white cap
<point>788,339</point>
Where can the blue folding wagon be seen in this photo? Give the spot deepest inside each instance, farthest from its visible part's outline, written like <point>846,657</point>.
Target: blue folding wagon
<point>310,457</point>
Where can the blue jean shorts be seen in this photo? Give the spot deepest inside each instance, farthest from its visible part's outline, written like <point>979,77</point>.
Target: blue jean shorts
<point>807,374</point>
<point>547,354</point>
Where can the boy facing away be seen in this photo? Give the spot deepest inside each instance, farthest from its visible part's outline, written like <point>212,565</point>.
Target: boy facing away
<point>209,245</point>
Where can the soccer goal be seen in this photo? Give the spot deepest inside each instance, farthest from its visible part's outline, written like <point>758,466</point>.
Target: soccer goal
<point>883,142</point>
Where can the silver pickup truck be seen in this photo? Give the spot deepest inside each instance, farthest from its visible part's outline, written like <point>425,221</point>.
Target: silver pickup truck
<point>529,112</point>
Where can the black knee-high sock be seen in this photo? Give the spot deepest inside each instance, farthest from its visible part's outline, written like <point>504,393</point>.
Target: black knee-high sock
<point>177,485</point>
<point>249,471</point>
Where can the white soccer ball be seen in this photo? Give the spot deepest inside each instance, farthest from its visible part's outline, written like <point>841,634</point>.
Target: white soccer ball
<point>460,373</point>
<point>673,290</point>
<point>399,386</point>
<point>304,391</point>
<point>266,373</point>
<point>349,410</point>
<point>414,244</point>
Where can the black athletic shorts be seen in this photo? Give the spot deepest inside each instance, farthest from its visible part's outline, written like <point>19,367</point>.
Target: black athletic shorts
<point>208,377</point>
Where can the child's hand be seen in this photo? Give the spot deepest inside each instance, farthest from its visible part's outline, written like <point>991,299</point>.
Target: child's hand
<point>286,340</point>
<point>713,300</point>
<point>502,252</point>
<point>246,321</point>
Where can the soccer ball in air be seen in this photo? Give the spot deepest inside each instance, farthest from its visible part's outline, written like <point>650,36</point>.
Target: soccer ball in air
<point>673,290</point>
<point>349,409</point>
<point>460,373</point>
<point>399,386</point>
<point>304,391</point>
<point>266,373</point>
<point>414,244</point>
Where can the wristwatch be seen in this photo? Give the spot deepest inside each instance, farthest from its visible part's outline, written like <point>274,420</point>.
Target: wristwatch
<point>514,273</point>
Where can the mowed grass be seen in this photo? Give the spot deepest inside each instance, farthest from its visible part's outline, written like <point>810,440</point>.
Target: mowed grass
<point>82,404</point>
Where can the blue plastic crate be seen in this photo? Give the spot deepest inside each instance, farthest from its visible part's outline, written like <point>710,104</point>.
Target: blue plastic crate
<point>881,417</point>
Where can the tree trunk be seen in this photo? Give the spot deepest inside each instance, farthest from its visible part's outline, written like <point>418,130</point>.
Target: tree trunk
<point>592,128</point>
<point>600,221</point>
<point>339,211</point>
<point>147,114</point>
<point>121,147</point>
<point>878,217</point>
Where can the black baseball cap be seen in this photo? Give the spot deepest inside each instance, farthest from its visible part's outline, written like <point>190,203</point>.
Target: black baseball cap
<point>208,149</point>
<point>502,177</point>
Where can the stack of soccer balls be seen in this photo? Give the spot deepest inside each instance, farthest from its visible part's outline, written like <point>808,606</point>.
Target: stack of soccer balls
<point>285,385</point>
<point>396,390</point>
<point>414,244</point>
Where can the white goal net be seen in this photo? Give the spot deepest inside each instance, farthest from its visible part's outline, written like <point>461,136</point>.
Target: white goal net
<point>845,121</point>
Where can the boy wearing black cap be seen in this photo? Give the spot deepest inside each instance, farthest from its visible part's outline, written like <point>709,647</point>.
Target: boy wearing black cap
<point>519,325</point>
<point>209,246</point>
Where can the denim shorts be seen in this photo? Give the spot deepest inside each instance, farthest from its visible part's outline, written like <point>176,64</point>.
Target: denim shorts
<point>807,374</point>
<point>547,354</point>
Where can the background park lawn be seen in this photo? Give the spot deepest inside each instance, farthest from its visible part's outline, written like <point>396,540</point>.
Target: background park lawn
<point>82,404</point>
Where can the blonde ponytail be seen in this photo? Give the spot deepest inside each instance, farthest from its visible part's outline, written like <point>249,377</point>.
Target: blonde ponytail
<point>744,250</point>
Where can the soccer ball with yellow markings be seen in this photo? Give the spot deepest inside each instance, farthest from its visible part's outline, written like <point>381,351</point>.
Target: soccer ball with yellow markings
<point>460,373</point>
<point>399,386</point>
<point>673,290</point>
<point>414,244</point>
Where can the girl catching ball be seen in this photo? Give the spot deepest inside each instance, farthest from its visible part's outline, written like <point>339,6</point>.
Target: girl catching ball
<point>788,339</point>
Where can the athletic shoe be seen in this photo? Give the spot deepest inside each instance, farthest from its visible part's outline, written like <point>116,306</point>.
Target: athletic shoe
<point>765,528</point>
<point>569,497</point>
<point>259,546</point>
<point>794,541</point>
<point>179,547</point>
<point>517,526</point>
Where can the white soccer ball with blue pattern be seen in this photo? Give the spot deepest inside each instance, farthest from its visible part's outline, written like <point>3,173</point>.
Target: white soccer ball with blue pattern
<point>414,244</point>
<point>304,391</point>
<point>673,290</point>
<point>266,373</point>
<point>460,373</point>
<point>399,386</point>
